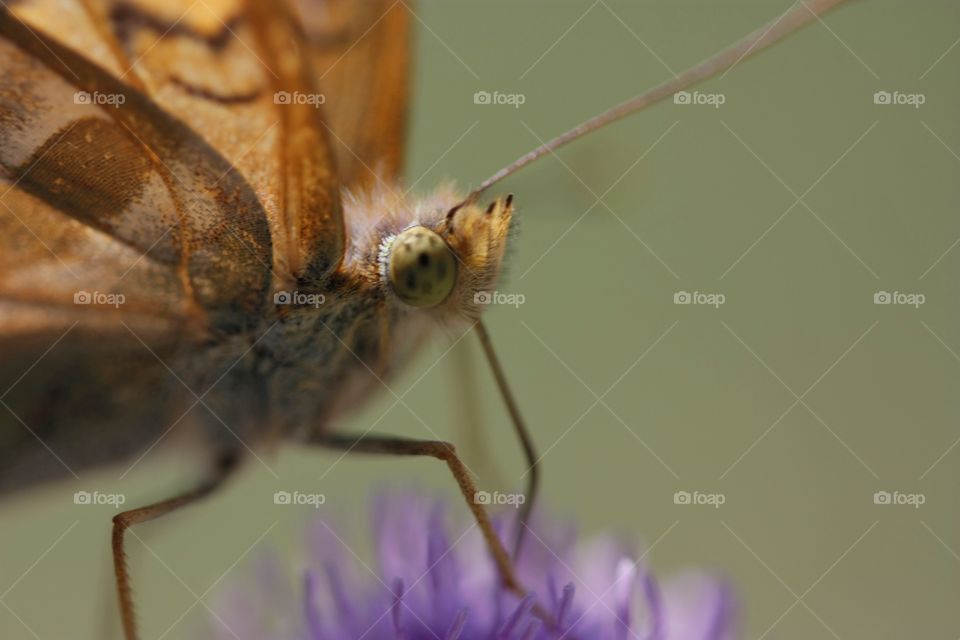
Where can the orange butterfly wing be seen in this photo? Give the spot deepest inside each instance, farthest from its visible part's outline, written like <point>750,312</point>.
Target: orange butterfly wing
<point>361,54</point>
<point>174,181</point>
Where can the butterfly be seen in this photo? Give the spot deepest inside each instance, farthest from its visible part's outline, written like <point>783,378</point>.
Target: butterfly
<point>207,235</point>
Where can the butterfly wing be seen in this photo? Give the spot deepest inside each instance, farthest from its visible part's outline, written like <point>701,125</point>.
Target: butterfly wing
<point>101,153</point>
<point>222,68</point>
<point>128,237</point>
<point>361,54</point>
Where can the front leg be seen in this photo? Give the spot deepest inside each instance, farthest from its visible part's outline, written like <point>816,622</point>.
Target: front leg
<point>442,451</point>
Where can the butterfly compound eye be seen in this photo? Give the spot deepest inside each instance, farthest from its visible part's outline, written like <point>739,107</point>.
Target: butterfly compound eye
<point>422,267</point>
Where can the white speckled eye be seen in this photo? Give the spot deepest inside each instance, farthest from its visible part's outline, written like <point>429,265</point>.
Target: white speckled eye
<point>421,268</point>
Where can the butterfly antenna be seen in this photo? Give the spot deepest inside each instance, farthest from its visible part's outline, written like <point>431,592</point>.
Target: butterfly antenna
<point>520,427</point>
<point>797,16</point>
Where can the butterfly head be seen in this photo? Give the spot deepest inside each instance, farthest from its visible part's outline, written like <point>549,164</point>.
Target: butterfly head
<point>447,263</point>
<point>421,267</point>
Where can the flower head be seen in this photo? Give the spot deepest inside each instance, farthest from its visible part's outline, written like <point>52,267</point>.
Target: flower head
<point>430,581</point>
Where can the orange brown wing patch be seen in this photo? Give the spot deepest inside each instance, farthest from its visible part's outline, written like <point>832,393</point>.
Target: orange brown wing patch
<point>361,53</point>
<point>51,144</point>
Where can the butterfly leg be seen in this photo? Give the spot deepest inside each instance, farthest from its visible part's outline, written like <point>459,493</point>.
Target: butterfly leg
<point>225,465</point>
<point>442,451</point>
<point>520,427</point>
<point>469,419</point>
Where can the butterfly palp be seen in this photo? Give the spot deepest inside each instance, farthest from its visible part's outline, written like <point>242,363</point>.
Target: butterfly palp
<point>421,268</point>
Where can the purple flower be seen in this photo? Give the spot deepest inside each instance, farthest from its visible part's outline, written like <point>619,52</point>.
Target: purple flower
<point>433,581</point>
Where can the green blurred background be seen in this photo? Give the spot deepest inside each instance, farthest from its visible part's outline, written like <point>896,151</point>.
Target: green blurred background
<point>797,399</point>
